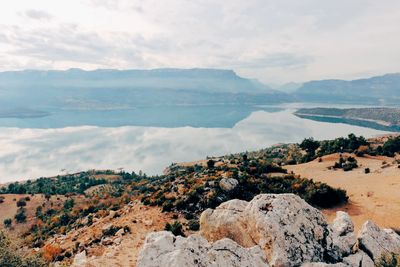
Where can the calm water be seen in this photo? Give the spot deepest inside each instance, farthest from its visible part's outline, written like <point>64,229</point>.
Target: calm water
<point>33,152</point>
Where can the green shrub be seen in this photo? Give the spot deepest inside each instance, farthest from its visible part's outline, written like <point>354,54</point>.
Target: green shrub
<point>7,223</point>
<point>20,217</point>
<point>175,228</point>
<point>391,146</point>
<point>194,225</point>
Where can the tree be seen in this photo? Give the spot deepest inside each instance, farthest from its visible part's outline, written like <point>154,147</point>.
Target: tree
<point>391,146</point>
<point>210,164</point>
<point>7,223</point>
<point>309,145</point>
<point>21,203</point>
<point>69,204</point>
<point>20,217</point>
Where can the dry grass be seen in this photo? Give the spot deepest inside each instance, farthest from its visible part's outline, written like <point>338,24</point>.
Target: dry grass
<point>374,196</point>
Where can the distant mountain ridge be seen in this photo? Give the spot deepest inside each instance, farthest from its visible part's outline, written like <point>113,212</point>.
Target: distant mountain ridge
<point>383,89</point>
<point>206,80</point>
<point>159,97</point>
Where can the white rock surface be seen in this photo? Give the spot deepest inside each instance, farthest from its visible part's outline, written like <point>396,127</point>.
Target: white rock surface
<point>228,184</point>
<point>343,235</point>
<point>166,250</point>
<point>80,260</point>
<point>288,229</point>
<point>360,259</point>
<point>376,242</point>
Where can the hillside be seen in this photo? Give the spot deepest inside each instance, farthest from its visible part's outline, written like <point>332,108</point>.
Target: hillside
<point>376,90</point>
<point>379,118</point>
<point>107,214</point>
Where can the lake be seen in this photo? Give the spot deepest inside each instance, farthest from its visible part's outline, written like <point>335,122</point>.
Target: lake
<point>29,152</point>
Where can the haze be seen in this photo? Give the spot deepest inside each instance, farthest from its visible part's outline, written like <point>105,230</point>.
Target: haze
<point>273,41</point>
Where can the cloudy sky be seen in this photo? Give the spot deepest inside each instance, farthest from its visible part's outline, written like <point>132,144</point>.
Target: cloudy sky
<point>274,41</point>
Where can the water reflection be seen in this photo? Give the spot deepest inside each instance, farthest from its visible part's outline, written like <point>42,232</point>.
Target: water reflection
<point>31,153</point>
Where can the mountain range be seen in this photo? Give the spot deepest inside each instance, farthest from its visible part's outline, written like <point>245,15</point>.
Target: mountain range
<point>36,88</point>
<point>382,90</point>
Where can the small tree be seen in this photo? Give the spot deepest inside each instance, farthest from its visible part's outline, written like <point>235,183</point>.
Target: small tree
<point>7,223</point>
<point>20,217</point>
<point>210,164</point>
<point>21,203</point>
<point>309,145</point>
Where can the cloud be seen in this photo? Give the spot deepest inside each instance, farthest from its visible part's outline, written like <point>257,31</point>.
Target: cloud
<point>275,41</point>
<point>37,14</point>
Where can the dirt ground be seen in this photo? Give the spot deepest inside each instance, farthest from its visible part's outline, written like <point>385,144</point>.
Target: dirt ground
<point>374,196</point>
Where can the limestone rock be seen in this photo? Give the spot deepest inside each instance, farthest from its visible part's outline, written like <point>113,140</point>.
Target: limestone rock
<point>343,235</point>
<point>323,264</point>
<point>288,229</point>
<point>228,184</point>
<point>167,250</point>
<point>359,259</point>
<point>80,260</point>
<point>377,242</point>
<point>342,224</point>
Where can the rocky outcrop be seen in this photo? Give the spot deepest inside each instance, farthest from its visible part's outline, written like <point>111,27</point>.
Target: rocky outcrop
<point>228,184</point>
<point>80,260</point>
<point>343,235</point>
<point>288,230</point>
<point>277,229</point>
<point>166,250</point>
<point>378,242</point>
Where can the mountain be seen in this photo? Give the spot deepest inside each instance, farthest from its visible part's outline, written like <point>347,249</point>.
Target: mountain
<point>288,87</point>
<point>205,80</point>
<point>376,90</point>
<point>385,119</point>
<point>33,89</point>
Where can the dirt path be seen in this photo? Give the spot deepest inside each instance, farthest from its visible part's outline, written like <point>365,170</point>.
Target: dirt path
<point>374,196</point>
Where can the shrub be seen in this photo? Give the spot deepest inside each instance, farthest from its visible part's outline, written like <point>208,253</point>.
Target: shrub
<point>175,228</point>
<point>391,146</point>
<point>111,231</point>
<point>51,252</point>
<point>11,256</point>
<point>69,204</point>
<point>20,217</point>
<point>210,164</point>
<point>7,223</point>
<point>21,203</point>
<point>194,225</point>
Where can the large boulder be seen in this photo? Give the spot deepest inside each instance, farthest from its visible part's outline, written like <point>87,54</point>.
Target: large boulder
<point>228,184</point>
<point>343,235</point>
<point>289,230</point>
<point>378,242</point>
<point>166,250</point>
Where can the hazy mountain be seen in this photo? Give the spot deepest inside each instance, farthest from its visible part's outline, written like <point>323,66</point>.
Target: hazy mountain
<point>288,87</point>
<point>115,88</point>
<point>134,97</point>
<point>376,90</point>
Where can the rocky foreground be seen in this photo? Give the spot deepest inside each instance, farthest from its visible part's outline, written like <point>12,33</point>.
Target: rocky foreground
<point>271,230</point>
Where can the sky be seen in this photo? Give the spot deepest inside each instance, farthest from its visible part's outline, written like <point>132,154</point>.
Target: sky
<point>275,41</point>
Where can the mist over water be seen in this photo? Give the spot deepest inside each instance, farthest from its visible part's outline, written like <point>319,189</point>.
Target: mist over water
<point>28,153</point>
